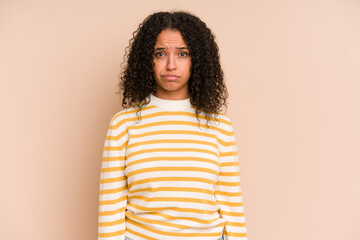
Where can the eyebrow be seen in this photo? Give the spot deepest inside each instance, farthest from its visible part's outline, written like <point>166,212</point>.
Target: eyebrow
<point>162,48</point>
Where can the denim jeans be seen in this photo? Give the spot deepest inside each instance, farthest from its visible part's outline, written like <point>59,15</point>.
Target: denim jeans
<point>222,238</point>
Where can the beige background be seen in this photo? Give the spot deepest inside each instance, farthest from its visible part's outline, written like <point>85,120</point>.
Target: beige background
<point>292,68</point>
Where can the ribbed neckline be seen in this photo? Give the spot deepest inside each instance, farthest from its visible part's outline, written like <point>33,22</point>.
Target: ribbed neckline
<point>170,104</point>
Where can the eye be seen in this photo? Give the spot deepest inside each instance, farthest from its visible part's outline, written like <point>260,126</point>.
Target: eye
<point>159,54</point>
<point>183,54</point>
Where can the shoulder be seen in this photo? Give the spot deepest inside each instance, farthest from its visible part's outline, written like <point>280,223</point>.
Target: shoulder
<point>120,115</point>
<point>222,120</point>
<point>121,118</point>
<point>224,117</point>
<point>130,115</point>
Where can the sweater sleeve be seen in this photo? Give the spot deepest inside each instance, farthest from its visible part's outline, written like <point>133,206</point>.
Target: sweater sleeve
<point>228,189</point>
<point>113,183</point>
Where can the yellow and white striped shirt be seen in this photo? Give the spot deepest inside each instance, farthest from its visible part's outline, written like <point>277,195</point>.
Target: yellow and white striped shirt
<point>168,177</point>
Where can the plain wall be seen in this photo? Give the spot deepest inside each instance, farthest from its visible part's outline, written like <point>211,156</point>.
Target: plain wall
<point>293,73</point>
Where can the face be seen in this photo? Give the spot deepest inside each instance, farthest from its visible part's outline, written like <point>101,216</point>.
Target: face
<point>172,66</point>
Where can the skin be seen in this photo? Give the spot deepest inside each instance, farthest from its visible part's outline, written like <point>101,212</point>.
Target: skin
<point>172,67</point>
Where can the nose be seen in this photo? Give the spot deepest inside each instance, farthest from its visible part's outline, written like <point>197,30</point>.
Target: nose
<point>171,63</point>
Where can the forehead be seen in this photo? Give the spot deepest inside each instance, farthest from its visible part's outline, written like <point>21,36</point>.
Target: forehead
<point>169,38</point>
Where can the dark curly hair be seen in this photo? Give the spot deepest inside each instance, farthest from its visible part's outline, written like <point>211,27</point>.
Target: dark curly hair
<point>207,89</point>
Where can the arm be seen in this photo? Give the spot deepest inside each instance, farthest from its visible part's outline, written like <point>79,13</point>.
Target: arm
<point>228,189</point>
<point>113,183</point>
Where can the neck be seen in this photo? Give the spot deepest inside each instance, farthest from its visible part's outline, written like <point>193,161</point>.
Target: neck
<point>169,96</point>
<point>170,104</point>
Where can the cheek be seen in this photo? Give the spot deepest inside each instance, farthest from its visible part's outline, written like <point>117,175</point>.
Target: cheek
<point>157,67</point>
<point>188,68</point>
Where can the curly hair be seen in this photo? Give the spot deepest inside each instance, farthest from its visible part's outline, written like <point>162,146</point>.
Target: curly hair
<point>208,93</point>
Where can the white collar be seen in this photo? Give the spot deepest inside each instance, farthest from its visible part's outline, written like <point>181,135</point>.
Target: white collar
<point>170,104</point>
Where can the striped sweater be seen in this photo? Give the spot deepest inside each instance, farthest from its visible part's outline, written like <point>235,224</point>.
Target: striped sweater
<point>170,177</point>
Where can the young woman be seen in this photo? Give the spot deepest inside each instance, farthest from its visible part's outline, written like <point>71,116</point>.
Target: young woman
<point>170,169</point>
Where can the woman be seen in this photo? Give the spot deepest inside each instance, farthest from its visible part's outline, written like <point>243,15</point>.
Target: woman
<point>170,168</point>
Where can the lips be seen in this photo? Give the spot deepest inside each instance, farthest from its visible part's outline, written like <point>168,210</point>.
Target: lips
<point>170,77</point>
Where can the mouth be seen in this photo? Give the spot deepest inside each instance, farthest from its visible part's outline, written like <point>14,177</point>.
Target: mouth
<point>170,77</point>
